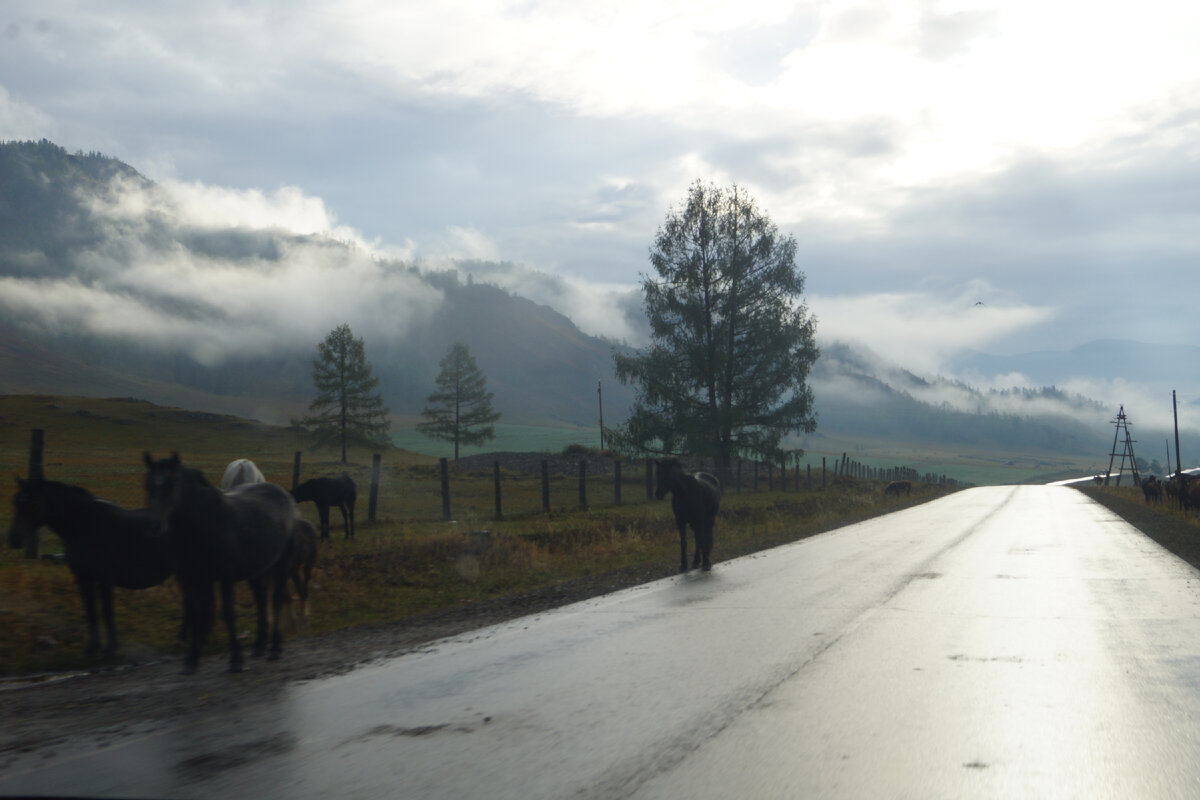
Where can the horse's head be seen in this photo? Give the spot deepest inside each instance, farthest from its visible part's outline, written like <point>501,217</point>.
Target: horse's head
<point>27,510</point>
<point>164,479</point>
<point>668,470</point>
<point>24,510</point>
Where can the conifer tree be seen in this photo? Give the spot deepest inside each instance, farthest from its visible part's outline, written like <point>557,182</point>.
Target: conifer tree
<point>346,407</point>
<point>732,342</point>
<point>460,411</point>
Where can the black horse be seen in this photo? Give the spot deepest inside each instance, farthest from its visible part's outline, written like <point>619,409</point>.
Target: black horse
<point>326,492</point>
<point>695,499</point>
<point>105,545</point>
<point>245,534</point>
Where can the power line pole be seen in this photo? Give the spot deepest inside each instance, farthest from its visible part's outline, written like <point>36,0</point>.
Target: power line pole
<point>600,397</point>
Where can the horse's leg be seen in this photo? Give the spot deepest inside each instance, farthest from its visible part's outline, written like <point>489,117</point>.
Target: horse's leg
<point>683,565</point>
<point>197,616</point>
<point>707,546</point>
<point>698,535</point>
<point>346,519</point>
<point>323,512</point>
<point>259,589</point>
<point>106,605</point>
<point>280,596</point>
<point>227,612</point>
<point>88,596</point>
<point>351,504</point>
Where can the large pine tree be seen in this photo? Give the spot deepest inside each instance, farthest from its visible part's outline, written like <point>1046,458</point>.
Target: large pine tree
<point>460,411</point>
<point>732,342</point>
<point>347,407</point>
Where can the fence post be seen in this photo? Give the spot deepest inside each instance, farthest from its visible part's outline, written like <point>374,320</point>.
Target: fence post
<point>770,477</point>
<point>496,481</point>
<point>739,476</point>
<point>373,502</point>
<point>755,476</point>
<point>445,469</point>
<point>649,478</point>
<point>583,485</point>
<point>822,472</point>
<point>37,446</point>
<point>616,483</point>
<point>296,470</point>
<point>546,486</point>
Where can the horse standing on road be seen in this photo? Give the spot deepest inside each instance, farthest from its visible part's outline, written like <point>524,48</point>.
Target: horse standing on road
<point>695,499</point>
<point>105,545</point>
<point>326,492</point>
<point>245,534</point>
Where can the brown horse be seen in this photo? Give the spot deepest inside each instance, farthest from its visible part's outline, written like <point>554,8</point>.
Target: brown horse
<point>245,534</point>
<point>105,545</point>
<point>896,487</point>
<point>695,499</point>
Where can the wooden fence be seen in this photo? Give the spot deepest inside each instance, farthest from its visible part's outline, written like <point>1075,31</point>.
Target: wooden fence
<point>606,478</point>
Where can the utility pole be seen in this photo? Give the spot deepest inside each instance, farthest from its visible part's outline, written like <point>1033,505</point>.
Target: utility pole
<point>600,397</point>
<point>1178,463</point>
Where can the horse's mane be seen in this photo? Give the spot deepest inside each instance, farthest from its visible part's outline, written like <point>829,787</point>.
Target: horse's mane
<point>66,488</point>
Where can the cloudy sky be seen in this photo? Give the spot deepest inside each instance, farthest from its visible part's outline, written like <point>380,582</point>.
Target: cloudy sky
<point>1040,158</point>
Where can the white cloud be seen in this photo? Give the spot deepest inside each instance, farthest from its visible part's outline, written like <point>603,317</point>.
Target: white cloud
<point>222,274</point>
<point>921,330</point>
<point>19,121</point>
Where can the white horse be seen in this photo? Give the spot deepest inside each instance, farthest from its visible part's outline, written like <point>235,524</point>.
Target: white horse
<point>241,471</point>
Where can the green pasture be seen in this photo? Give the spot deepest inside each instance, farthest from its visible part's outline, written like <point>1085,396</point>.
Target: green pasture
<point>509,438</point>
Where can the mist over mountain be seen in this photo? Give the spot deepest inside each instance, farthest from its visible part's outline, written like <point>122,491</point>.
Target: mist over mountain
<point>111,284</point>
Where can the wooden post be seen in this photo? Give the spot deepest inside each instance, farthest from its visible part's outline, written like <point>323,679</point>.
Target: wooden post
<point>496,481</point>
<point>739,476</point>
<point>546,486</point>
<point>583,485</point>
<point>373,502</point>
<point>296,470</point>
<point>616,483</point>
<point>770,477</point>
<point>822,472</point>
<point>756,476</point>
<point>37,446</point>
<point>649,478</point>
<point>445,469</point>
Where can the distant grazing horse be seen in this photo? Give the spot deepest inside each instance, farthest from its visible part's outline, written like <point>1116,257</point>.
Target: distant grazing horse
<point>695,499</point>
<point>1152,490</point>
<point>304,557</point>
<point>105,545</point>
<point>326,492</point>
<point>243,470</point>
<point>245,534</point>
<point>896,487</point>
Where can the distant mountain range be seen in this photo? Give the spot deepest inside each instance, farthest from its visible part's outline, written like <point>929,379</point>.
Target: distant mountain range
<point>541,367</point>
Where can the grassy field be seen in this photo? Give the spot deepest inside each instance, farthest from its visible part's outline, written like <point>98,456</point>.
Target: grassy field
<point>514,438</point>
<point>405,562</point>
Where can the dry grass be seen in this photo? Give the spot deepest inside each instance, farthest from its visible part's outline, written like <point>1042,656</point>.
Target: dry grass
<point>1165,523</point>
<point>406,562</point>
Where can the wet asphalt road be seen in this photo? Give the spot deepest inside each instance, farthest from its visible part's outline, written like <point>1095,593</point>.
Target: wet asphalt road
<point>999,642</point>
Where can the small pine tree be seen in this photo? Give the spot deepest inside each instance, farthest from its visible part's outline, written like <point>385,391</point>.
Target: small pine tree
<point>346,406</point>
<point>460,411</point>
